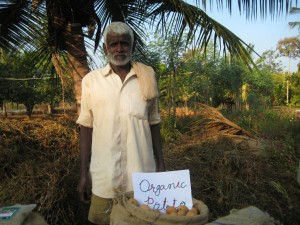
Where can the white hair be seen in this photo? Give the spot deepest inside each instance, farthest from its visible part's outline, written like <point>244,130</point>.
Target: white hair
<point>119,28</point>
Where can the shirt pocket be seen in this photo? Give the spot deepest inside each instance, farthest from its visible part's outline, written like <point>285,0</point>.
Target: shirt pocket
<point>138,107</point>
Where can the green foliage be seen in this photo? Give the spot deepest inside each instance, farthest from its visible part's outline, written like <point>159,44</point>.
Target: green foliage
<point>268,61</point>
<point>227,81</point>
<point>260,91</point>
<point>169,130</point>
<point>294,81</point>
<point>197,74</point>
<point>22,84</point>
<point>279,89</point>
<point>186,75</point>
<point>289,47</point>
<point>279,125</point>
<point>31,92</point>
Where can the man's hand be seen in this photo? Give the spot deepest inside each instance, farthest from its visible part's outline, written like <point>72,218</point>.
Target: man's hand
<point>84,188</point>
<point>160,167</point>
<point>157,148</point>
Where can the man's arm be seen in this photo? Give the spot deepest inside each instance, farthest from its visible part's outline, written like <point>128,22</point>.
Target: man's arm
<point>85,183</point>
<point>157,147</point>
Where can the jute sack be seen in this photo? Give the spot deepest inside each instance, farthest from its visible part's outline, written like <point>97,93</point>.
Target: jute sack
<point>21,212</point>
<point>126,213</point>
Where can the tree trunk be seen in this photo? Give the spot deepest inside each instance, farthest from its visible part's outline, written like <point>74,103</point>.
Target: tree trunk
<point>174,94</point>
<point>77,57</point>
<point>244,97</point>
<point>62,73</point>
<point>4,109</point>
<point>50,109</point>
<point>29,108</point>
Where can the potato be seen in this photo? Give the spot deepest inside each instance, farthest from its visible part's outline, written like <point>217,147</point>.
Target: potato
<point>171,209</point>
<point>145,207</point>
<point>191,213</point>
<point>173,214</point>
<point>133,201</point>
<point>181,213</point>
<point>194,209</point>
<point>183,208</point>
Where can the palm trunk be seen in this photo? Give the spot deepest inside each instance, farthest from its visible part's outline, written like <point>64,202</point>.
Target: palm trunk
<point>62,75</point>
<point>77,59</point>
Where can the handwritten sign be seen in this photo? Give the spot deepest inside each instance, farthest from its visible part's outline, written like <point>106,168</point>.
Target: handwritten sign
<point>160,190</point>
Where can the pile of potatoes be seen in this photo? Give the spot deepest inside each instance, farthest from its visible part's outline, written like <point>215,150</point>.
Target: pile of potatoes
<point>181,210</point>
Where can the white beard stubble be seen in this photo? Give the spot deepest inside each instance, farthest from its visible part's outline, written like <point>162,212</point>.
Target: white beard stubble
<point>116,62</point>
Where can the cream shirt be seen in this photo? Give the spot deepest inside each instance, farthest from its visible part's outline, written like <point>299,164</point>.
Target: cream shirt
<point>121,120</point>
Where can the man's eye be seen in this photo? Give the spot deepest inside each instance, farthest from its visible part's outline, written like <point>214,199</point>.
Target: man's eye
<point>123,44</point>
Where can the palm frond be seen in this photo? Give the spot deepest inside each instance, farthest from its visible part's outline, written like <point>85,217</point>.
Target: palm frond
<point>36,3</point>
<point>294,11</point>
<point>24,21</point>
<point>129,11</point>
<point>252,8</point>
<point>214,122</point>
<point>18,24</point>
<point>294,25</point>
<point>200,27</point>
<point>213,125</point>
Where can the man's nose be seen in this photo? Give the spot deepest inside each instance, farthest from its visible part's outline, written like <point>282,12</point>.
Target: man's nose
<point>119,47</point>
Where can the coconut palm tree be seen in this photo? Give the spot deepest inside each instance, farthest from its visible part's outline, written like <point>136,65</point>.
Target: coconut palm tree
<point>62,26</point>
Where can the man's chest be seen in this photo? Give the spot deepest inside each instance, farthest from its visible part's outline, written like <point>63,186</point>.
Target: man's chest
<point>111,94</point>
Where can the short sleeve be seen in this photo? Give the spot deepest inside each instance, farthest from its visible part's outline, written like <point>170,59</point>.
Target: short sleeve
<point>153,113</point>
<point>86,116</point>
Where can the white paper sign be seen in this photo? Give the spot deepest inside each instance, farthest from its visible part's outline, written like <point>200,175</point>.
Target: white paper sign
<point>162,189</point>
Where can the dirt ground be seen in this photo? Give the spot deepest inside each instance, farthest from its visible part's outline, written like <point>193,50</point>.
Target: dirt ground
<point>39,160</point>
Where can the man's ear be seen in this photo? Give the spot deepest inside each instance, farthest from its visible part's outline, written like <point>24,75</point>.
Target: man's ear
<point>104,49</point>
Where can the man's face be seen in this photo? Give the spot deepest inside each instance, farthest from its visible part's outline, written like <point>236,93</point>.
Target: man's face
<point>118,49</point>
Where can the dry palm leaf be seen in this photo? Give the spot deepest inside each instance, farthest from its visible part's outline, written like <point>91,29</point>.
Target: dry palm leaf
<point>213,125</point>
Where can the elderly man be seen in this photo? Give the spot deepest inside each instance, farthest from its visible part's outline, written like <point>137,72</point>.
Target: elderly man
<point>119,120</point>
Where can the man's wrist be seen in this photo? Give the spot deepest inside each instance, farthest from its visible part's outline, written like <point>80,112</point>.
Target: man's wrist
<point>84,170</point>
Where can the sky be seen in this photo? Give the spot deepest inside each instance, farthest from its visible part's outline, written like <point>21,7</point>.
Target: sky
<point>263,34</point>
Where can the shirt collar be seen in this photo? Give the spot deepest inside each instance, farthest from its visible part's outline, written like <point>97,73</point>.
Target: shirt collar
<point>107,70</point>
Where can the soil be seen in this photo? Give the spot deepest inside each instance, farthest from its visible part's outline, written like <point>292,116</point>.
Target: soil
<point>39,160</point>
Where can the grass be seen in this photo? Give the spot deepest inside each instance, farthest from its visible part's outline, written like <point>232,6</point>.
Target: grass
<point>39,158</point>
<point>226,174</point>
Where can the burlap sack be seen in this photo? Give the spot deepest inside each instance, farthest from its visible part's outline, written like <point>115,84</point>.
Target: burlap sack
<point>19,216</point>
<point>125,213</point>
<point>34,219</point>
<point>246,216</point>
